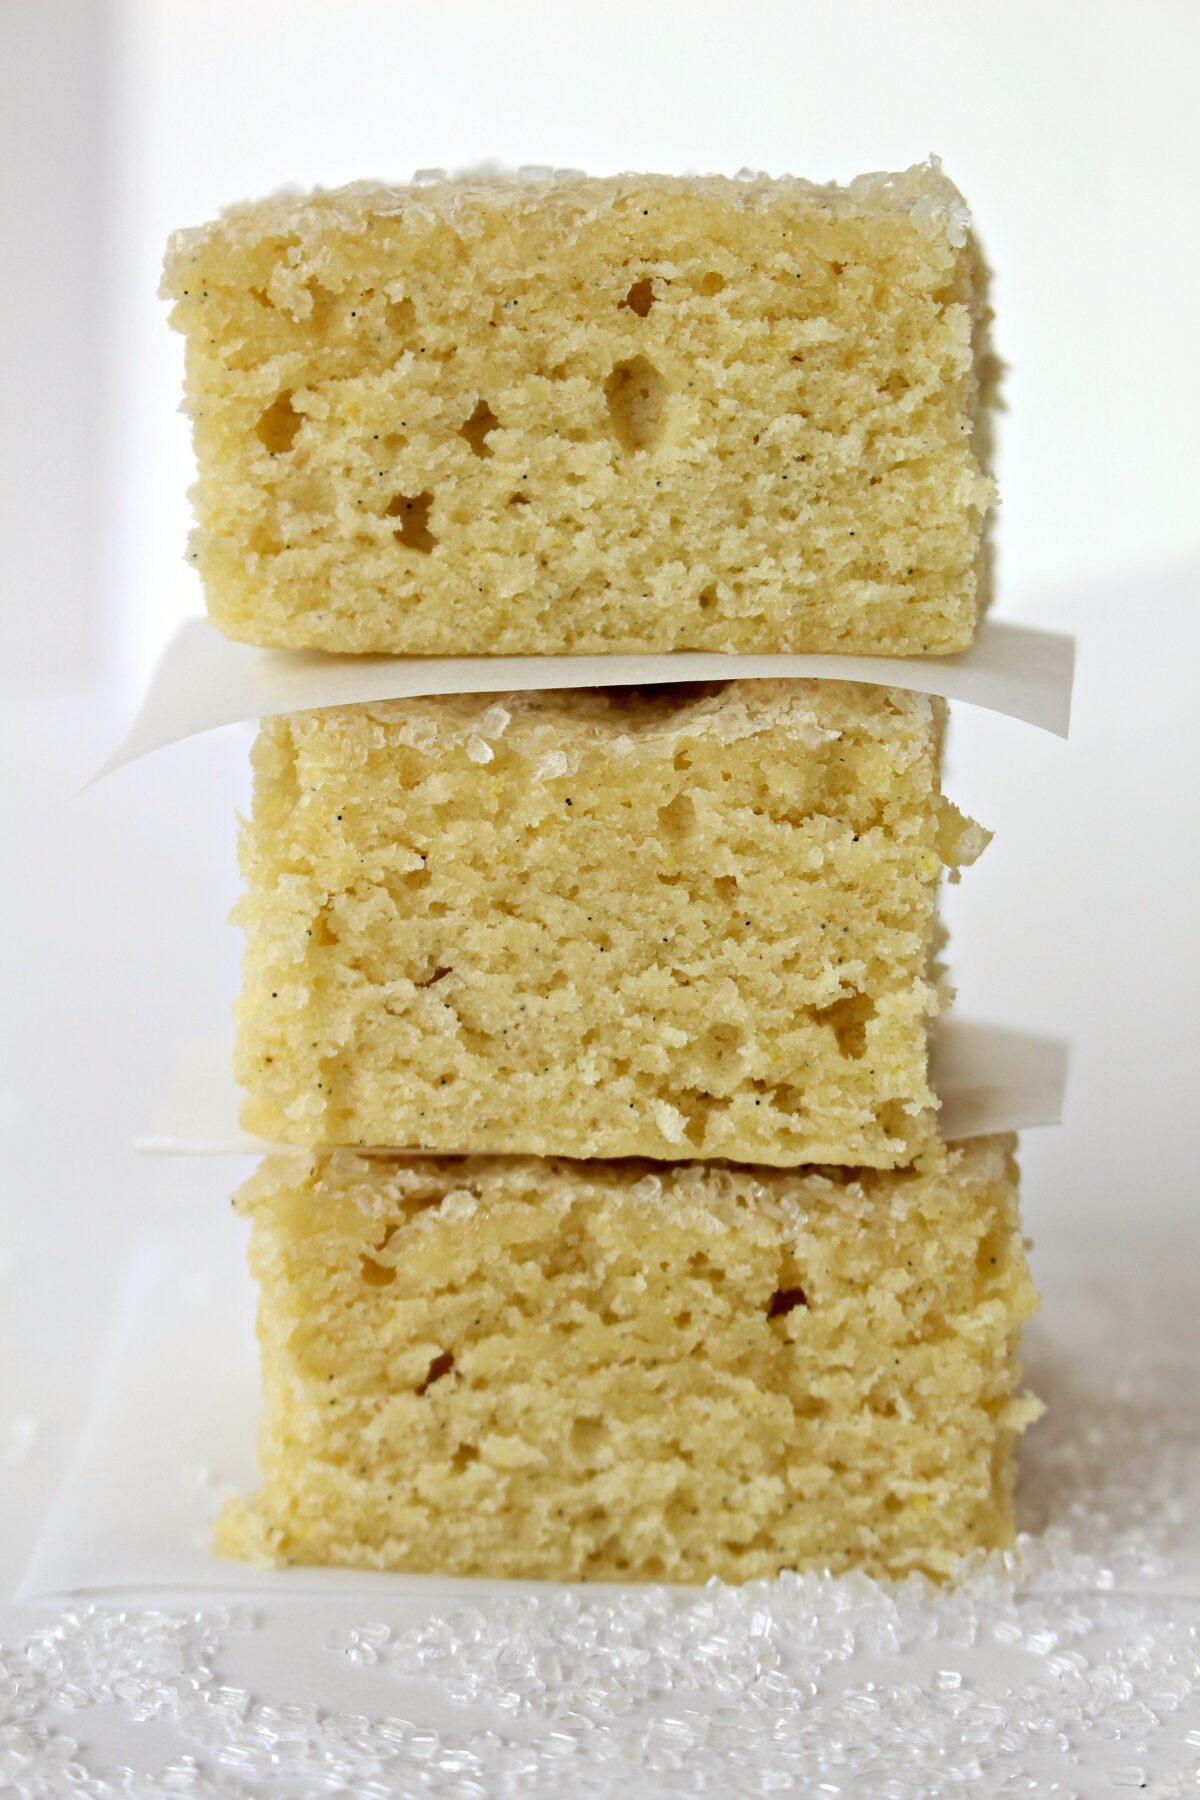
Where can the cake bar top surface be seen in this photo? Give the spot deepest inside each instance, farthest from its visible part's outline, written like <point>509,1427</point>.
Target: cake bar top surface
<point>766,1205</point>
<point>650,721</point>
<point>640,413</point>
<point>922,193</point>
<point>510,1367</point>
<point>667,922</point>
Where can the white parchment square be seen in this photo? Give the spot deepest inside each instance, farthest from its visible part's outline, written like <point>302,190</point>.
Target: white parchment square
<point>204,680</point>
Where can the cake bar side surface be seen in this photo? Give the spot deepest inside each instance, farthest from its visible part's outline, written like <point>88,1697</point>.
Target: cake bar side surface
<point>640,414</point>
<point>672,923</point>
<point>506,1367</point>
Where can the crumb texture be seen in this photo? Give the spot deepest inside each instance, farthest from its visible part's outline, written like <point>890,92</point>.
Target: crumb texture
<point>635,414</point>
<point>506,1367</point>
<point>665,922</point>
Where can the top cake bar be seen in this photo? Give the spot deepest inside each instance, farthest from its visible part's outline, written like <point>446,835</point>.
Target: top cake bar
<point>551,414</point>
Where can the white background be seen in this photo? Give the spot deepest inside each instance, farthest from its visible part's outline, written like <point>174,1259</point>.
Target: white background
<point>1073,131</point>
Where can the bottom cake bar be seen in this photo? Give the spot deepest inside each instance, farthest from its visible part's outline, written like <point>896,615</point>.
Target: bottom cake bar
<point>500,1366</point>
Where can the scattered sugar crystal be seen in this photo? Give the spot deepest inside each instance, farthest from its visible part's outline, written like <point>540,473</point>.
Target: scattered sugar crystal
<point>495,721</point>
<point>552,765</point>
<point>421,734</point>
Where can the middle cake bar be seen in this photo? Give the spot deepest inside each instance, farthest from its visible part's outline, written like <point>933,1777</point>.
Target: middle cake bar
<point>669,922</point>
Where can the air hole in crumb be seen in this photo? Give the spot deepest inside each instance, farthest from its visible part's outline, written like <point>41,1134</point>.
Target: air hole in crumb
<point>586,1437</point>
<point>476,428</point>
<point>710,284</point>
<point>277,427</point>
<point>637,396</point>
<point>439,974</point>
<point>640,297</point>
<point>848,1019</point>
<point>718,1042</point>
<point>441,1365</point>
<point>894,1120</point>
<point>463,1457</point>
<point>324,302</point>
<point>785,1300</point>
<point>992,1254</point>
<point>263,298</point>
<point>707,599</point>
<point>393,442</point>
<point>677,817</point>
<point>376,1274</point>
<point>401,317</point>
<point>264,542</point>
<point>518,499</point>
<point>413,511</point>
<point>323,933</point>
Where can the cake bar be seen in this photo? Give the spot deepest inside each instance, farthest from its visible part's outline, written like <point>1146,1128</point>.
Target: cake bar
<point>560,415</point>
<point>671,922</point>
<point>628,1371</point>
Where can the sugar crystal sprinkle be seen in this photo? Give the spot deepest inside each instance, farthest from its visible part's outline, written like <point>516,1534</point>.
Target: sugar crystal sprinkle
<point>803,1684</point>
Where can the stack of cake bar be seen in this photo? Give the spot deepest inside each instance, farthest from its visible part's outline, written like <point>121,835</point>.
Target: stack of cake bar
<point>613,1235</point>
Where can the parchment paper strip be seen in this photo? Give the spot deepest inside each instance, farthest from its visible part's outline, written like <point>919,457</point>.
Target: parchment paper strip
<point>203,680</point>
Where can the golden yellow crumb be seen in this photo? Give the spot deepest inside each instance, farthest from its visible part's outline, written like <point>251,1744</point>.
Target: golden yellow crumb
<point>634,414</point>
<point>507,1367</point>
<point>662,922</point>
